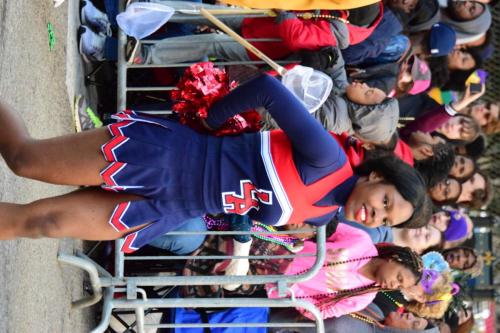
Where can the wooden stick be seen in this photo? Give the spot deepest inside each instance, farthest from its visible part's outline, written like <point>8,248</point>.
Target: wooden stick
<point>280,69</point>
<point>130,60</point>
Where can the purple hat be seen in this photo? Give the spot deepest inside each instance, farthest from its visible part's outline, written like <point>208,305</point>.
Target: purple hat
<point>442,39</point>
<point>457,229</point>
<point>421,76</point>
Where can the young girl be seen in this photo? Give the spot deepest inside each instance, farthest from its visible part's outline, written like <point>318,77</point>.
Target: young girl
<point>159,173</point>
<point>290,31</point>
<point>354,269</point>
<point>354,107</point>
<point>456,226</point>
<point>445,192</point>
<point>370,320</point>
<point>464,259</point>
<point>463,168</point>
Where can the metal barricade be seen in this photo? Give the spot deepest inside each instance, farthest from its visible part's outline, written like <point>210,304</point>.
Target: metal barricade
<point>105,286</point>
<point>124,65</point>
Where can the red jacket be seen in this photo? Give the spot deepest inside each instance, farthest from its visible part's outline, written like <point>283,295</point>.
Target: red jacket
<point>356,153</point>
<point>299,34</point>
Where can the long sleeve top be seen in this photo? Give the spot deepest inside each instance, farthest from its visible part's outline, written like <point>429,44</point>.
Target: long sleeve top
<point>429,121</point>
<point>376,42</point>
<point>297,34</point>
<point>233,162</point>
<point>346,243</point>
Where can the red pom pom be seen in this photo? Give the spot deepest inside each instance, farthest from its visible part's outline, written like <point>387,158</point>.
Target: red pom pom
<point>202,85</point>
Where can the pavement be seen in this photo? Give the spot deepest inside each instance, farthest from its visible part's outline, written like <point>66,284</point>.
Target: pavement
<point>39,83</point>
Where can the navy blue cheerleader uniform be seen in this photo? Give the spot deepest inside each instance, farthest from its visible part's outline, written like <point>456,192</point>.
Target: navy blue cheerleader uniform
<point>297,174</point>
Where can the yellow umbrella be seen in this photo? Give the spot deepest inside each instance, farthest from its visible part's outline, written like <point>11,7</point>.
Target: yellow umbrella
<point>301,4</point>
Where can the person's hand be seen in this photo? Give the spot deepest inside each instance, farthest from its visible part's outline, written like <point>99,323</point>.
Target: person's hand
<point>204,29</point>
<point>321,60</point>
<point>468,98</point>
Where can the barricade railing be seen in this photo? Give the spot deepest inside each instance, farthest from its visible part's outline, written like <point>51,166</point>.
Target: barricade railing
<point>209,303</point>
<point>119,291</point>
<point>178,17</point>
<point>123,291</point>
<point>121,279</point>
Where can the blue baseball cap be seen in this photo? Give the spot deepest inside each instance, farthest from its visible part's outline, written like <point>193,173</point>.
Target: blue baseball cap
<point>442,39</point>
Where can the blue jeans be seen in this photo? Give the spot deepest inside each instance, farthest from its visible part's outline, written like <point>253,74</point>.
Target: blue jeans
<point>174,29</point>
<point>393,51</point>
<point>183,244</point>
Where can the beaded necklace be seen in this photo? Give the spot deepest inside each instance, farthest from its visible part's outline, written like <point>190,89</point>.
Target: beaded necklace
<point>309,16</point>
<point>325,297</point>
<point>362,318</point>
<point>215,224</point>
<point>291,243</point>
<point>331,264</point>
<point>287,241</point>
<point>399,305</point>
<point>367,318</point>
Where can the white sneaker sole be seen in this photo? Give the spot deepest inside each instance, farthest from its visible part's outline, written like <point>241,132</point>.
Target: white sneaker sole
<point>57,3</point>
<point>82,15</point>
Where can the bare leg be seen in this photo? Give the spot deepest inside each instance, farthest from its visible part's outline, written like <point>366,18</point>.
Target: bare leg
<point>81,214</point>
<point>70,160</point>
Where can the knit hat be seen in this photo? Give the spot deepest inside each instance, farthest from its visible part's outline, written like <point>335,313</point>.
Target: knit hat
<point>442,39</point>
<point>426,13</point>
<point>374,123</point>
<point>457,228</point>
<point>421,75</point>
<point>472,30</point>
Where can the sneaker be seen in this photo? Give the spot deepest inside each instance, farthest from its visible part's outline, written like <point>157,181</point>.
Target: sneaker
<point>93,17</point>
<point>91,44</point>
<point>84,117</point>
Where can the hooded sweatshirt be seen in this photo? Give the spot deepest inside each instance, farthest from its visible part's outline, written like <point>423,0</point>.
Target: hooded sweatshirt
<point>345,244</point>
<point>375,43</point>
<point>374,123</point>
<point>349,324</point>
<point>425,15</point>
<point>297,34</point>
<point>469,31</point>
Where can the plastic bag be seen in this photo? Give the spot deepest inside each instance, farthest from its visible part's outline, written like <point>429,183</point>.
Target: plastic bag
<point>141,19</point>
<point>308,85</point>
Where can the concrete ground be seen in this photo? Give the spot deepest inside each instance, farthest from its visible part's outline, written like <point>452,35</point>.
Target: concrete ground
<point>40,84</point>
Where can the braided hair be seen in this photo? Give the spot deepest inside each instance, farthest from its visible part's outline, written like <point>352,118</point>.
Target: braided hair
<point>402,255</point>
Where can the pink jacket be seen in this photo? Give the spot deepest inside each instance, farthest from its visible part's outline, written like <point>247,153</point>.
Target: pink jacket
<point>346,243</point>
